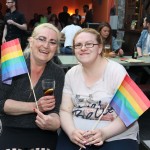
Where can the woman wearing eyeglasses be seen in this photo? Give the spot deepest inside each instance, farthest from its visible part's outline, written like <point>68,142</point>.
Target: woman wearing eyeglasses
<point>24,127</point>
<point>89,87</point>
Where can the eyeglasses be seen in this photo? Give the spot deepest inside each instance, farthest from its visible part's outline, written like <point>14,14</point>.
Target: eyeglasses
<point>87,45</point>
<point>9,2</point>
<point>43,41</point>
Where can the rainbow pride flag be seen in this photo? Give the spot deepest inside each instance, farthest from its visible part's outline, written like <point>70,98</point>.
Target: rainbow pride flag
<point>12,61</point>
<point>129,101</point>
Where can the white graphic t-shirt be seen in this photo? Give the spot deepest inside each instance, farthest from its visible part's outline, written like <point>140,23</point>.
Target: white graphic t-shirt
<point>90,102</point>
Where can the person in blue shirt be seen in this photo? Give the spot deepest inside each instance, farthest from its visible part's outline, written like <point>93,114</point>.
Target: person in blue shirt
<point>106,32</point>
<point>143,44</point>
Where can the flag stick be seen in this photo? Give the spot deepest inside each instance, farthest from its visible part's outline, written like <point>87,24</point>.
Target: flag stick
<point>100,117</point>
<point>96,123</point>
<point>33,92</point>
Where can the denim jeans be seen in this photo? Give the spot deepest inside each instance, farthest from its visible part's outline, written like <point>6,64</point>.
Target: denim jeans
<point>66,50</point>
<point>64,143</point>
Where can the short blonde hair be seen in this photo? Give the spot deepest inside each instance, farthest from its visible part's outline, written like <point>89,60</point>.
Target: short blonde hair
<point>45,25</point>
<point>35,32</point>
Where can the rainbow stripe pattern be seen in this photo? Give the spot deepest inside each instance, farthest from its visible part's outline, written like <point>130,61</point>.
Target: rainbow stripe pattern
<point>129,102</point>
<point>12,61</point>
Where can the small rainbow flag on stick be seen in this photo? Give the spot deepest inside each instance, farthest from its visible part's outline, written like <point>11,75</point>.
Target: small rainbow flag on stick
<point>12,61</point>
<point>129,102</point>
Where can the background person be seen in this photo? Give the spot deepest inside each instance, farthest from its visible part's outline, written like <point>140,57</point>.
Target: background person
<point>143,44</point>
<point>34,128</point>
<point>64,17</point>
<point>76,14</point>
<point>88,15</point>
<point>87,90</point>
<point>1,27</point>
<point>68,33</point>
<point>106,32</point>
<point>33,22</point>
<point>144,23</point>
<point>49,12</point>
<point>54,20</point>
<point>15,24</point>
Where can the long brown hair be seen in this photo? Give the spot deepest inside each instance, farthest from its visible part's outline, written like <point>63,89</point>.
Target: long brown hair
<point>108,40</point>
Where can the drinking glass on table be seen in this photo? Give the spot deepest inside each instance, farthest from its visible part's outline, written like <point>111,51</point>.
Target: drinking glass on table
<point>48,86</point>
<point>107,50</point>
<point>145,52</point>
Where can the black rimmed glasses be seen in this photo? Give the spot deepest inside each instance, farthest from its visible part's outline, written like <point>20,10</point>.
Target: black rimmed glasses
<point>43,41</point>
<point>87,45</point>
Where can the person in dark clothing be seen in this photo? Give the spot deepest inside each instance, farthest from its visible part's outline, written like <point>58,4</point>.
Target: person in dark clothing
<point>49,12</point>
<point>146,5</point>
<point>15,24</point>
<point>2,17</point>
<point>26,126</point>
<point>78,17</point>
<point>1,27</point>
<point>64,17</point>
<point>88,16</point>
<point>33,22</point>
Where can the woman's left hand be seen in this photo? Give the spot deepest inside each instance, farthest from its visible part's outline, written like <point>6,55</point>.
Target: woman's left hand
<point>47,122</point>
<point>94,137</point>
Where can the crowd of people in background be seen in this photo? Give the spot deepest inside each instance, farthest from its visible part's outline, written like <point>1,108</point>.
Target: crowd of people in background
<point>63,18</point>
<point>13,24</point>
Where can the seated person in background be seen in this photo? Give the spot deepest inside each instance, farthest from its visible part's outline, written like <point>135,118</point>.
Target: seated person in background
<point>105,31</point>
<point>88,89</point>
<point>143,44</point>
<point>54,20</point>
<point>68,32</point>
